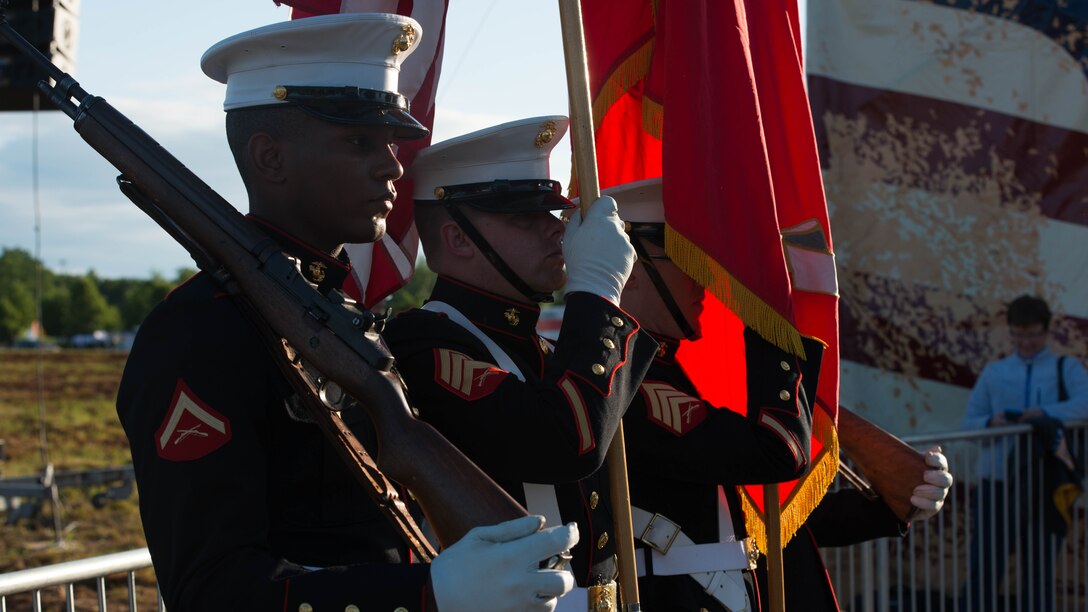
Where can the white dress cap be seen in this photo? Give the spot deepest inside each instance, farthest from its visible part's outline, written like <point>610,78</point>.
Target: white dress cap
<point>639,202</point>
<point>514,151</point>
<point>275,63</point>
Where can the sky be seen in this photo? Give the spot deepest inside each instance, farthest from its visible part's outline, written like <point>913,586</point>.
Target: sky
<point>503,61</point>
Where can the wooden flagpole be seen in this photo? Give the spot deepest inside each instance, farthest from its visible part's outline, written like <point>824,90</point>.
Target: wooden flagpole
<point>772,511</point>
<point>585,163</point>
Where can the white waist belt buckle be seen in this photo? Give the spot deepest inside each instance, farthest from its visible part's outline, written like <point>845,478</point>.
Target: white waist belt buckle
<point>727,586</point>
<point>660,533</point>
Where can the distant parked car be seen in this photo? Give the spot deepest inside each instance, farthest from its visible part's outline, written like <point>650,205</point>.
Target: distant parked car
<point>95,339</point>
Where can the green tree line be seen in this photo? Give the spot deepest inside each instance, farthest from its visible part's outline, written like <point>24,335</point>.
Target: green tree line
<point>79,304</point>
<point>71,303</point>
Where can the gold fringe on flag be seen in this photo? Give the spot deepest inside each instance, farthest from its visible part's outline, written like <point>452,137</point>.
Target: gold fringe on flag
<point>753,311</point>
<point>653,117</point>
<point>808,492</point>
<point>631,70</point>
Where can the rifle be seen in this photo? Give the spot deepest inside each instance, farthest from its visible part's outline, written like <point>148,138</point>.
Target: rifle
<point>890,464</point>
<point>325,343</point>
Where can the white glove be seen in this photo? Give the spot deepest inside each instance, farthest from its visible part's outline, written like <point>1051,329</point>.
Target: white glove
<point>598,252</point>
<point>497,568</point>
<point>929,498</point>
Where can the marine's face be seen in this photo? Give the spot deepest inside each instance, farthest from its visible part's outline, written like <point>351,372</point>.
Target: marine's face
<point>342,181</point>
<point>641,298</point>
<point>530,243</point>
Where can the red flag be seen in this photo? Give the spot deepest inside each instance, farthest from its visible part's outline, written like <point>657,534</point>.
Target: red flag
<point>381,268</point>
<point>710,96</point>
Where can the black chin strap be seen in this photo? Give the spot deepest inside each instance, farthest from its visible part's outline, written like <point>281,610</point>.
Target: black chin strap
<point>662,289</point>
<point>500,265</point>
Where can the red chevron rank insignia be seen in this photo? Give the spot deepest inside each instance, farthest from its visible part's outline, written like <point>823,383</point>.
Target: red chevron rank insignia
<point>465,377</point>
<point>191,429</point>
<point>677,412</point>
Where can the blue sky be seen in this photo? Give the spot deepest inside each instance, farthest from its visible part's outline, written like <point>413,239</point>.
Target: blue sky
<point>503,61</point>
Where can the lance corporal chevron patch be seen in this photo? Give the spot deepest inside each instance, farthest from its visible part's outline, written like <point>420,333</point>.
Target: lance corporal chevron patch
<point>192,429</point>
<point>673,410</point>
<point>465,377</point>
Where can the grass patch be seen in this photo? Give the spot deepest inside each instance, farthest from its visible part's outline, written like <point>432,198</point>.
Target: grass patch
<point>78,388</point>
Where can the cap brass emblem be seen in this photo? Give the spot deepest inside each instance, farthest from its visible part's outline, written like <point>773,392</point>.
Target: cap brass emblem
<point>545,135</point>
<point>512,317</point>
<point>317,270</point>
<point>404,40</point>
<point>279,92</point>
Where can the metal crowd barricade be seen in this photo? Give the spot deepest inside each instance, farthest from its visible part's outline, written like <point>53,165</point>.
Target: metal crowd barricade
<point>32,582</point>
<point>930,570</point>
<point>944,564</point>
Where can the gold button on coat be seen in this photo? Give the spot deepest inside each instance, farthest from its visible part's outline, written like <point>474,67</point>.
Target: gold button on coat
<point>608,344</point>
<point>400,609</point>
<point>598,369</point>
<point>594,499</point>
<point>305,607</point>
<point>352,608</point>
<point>785,366</point>
<point>783,395</point>
<point>601,541</point>
<point>617,322</point>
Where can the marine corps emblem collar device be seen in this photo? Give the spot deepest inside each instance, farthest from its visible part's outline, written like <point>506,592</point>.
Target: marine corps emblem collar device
<point>512,317</point>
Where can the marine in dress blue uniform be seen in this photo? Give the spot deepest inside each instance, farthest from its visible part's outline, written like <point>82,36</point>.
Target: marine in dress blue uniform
<point>239,493</point>
<point>245,506</point>
<point>537,417</point>
<point>686,456</point>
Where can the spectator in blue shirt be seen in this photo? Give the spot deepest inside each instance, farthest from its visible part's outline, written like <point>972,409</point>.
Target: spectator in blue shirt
<point>1031,383</point>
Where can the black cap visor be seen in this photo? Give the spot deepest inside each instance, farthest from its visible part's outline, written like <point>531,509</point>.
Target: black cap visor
<point>357,106</point>
<point>503,196</point>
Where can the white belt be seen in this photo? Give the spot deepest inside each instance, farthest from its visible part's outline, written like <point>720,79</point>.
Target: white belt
<point>684,556</point>
<point>717,567</point>
<point>502,359</point>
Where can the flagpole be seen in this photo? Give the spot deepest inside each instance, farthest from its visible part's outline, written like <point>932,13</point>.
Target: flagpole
<point>585,164</point>
<point>772,509</point>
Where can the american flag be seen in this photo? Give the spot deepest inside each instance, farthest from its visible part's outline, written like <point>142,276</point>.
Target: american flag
<point>953,136</point>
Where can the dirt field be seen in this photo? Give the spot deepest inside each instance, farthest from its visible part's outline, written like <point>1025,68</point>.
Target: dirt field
<point>77,389</point>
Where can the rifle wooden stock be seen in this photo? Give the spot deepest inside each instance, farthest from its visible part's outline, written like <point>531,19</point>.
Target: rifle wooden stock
<point>329,334</point>
<point>890,465</point>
